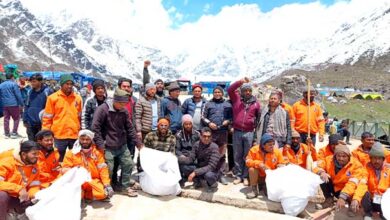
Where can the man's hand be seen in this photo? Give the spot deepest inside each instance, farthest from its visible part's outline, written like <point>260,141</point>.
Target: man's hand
<point>287,146</point>
<point>321,138</point>
<point>355,205</point>
<point>146,63</point>
<point>139,135</point>
<point>309,141</point>
<point>325,177</point>
<point>213,126</point>
<point>340,204</point>
<point>225,123</point>
<point>191,177</point>
<point>108,191</point>
<point>140,146</point>
<point>245,80</point>
<point>23,195</point>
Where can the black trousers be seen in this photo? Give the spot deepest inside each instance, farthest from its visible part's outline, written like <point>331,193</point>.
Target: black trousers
<point>369,206</point>
<point>32,130</point>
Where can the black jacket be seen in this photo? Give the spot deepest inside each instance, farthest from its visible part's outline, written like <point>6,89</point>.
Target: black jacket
<point>207,157</point>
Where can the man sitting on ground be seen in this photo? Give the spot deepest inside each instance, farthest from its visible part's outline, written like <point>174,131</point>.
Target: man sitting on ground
<point>162,139</point>
<point>260,158</point>
<point>362,152</point>
<point>85,154</point>
<point>298,152</point>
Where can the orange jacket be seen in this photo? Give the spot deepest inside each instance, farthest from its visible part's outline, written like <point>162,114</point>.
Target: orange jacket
<point>375,185</point>
<point>62,115</point>
<point>363,156</point>
<point>290,112</point>
<point>256,157</point>
<point>324,153</point>
<point>15,175</point>
<point>351,180</point>
<point>94,163</point>
<point>300,157</point>
<point>6,154</point>
<point>317,122</point>
<point>49,167</point>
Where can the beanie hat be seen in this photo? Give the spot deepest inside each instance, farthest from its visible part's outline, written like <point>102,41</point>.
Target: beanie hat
<point>246,86</point>
<point>265,139</point>
<point>377,150</point>
<point>295,133</point>
<point>334,139</point>
<point>97,83</point>
<point>173,86</point>
<point>159,80</point>
<point>341,148</point>
<point>197,86</point>
<point>121,95</point>
<point>149,86</point>
<point>219,88</point>
<point>186,117</point>
<point>65,78</point>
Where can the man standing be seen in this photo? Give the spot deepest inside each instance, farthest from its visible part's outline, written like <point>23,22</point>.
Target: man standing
<point>19,179</point>
<point>301,113</point>
<point>185,139</point>
<point>12,101</point>
<point>217,115</point>
<point>162,139</point>
<point>35,104</point>
<point>245,117</point>
<point>206,153</point>
<point>145,74</point>
<point>171,107</point>
<point>62,115</point>
<point>361,153</point>
<point>113,130</point>
<point>99,89</point>
<point>194,105</point>
<point>147,111</point>
<point>84,154</point>
<point>160,88</point>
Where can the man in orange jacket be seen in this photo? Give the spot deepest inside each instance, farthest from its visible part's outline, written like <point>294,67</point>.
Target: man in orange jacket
<point>362,152</point>
<point>62,115</point>
<point>344,178</point>
<point>288,108</point>
<point>298,152</point>
<point>302,123</point>
<point>19,179</point>
<point>260,158</point>
<point>378,181</point>
<point>85,154</point>
<point>328,150</point>
<point>48,159</point>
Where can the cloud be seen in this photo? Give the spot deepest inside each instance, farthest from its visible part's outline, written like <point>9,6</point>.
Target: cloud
<point>206,8</point>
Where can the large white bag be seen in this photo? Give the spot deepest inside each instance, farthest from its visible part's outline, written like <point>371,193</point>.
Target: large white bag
<point>385,204</point>
<point>61,201</point>
<point>161,174</point>
<point>292,185</point>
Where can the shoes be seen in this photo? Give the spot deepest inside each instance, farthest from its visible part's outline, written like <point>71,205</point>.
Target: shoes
<point>212,188</point>
<point>253,193</point>
<point>246,182</point>
<point>328,203</point>
<point>349,143</point>
<point>238,180</point>
<point>223,180</point>
<point>7,136</point>
<point>15,136</point>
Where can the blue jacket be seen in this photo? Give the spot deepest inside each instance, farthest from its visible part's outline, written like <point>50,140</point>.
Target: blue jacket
<point>171,108</point>
<point>10,94</point>
<point>189,106</point>
<point>217,111</point>
<point>35,103</point>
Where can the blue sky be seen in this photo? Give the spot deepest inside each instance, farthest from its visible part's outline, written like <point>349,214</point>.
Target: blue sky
<point>183,11</point>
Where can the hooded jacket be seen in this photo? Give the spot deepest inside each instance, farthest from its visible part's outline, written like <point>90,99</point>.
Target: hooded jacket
<point>35,105</point>
<point>217,111</point>
<point>171,108</point>
<point>10,94</point>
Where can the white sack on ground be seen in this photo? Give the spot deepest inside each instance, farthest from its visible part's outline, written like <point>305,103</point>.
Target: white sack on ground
<point>62,200</point>
<point>161,174</point>
<point>385,204</point>
<point>291,183</point>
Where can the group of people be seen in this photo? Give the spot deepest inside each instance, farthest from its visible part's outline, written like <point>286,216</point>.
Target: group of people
<point>102,134</point>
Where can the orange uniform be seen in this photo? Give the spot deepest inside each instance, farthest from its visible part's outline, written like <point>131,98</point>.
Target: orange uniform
<point>95,164</point>
<point>290,112</point>
<point>256,158</point>
<point>62,115</point>
<point>317,122</point>
<point>364,157</point>
<point>376,185</point>
<point>15,175</point>
<point>324,153</point>
<point>6,154</point>
<point>350,180</point>
<point>49,167</point>
<point>300,157</point>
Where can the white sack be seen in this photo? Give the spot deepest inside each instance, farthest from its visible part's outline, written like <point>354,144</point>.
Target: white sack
<point>385,203</point>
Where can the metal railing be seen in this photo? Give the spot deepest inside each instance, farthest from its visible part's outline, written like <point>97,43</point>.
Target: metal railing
<point>380,130</point>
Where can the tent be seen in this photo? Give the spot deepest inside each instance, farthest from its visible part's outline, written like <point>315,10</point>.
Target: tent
<point>367,96</point>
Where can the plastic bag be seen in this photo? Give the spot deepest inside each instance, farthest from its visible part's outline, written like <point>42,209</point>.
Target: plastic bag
<point>385,204</point>
<point>62,199</point>
<point>293,205</point>
<point>161,172</point>
<point>291,182</point>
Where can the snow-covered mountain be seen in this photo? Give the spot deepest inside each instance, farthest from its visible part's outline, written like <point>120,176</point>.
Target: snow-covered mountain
<point>40,42</point>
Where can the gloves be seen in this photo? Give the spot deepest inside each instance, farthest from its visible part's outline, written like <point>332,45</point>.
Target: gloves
<point>108,191</point>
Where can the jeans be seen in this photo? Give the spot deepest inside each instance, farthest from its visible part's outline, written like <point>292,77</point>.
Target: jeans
<point>242,143</point>
<point>8,202</point>
<point>186,170</point>
<point>210,177</point>
<point>14,112</point>
<point>32,130</point>
<point>62,145</point>
<point>369,206</point>
<point>125,162</point>
<point>304,137</point>
<point>345,133</point>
